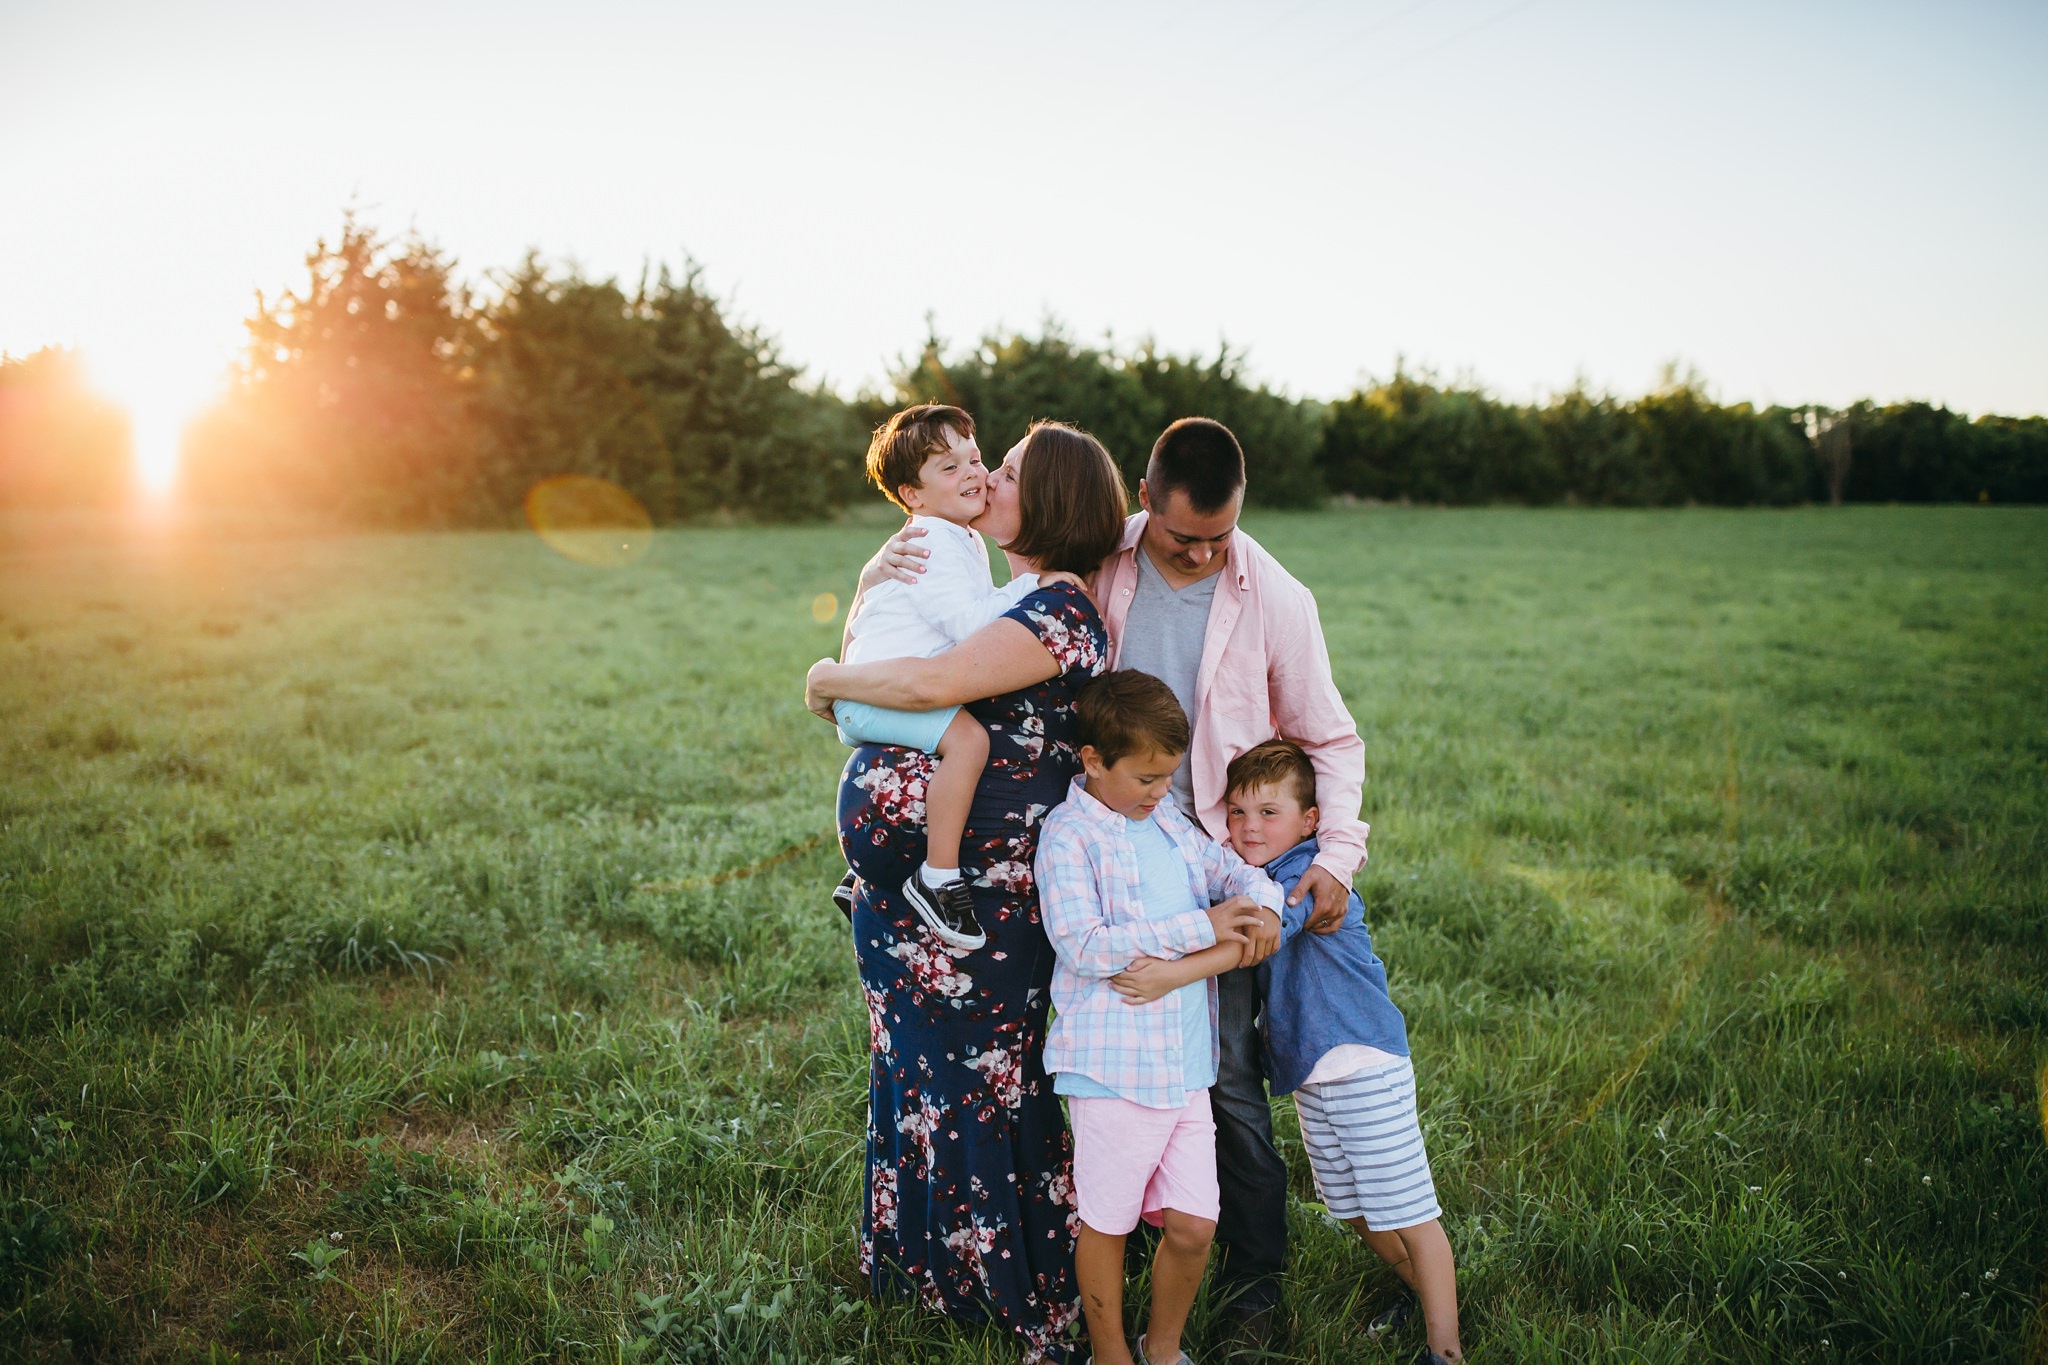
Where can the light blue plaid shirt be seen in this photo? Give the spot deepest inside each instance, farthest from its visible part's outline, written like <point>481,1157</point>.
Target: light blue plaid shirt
<point>1087,875</point>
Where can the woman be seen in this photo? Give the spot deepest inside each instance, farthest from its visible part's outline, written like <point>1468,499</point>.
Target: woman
<point>969,1197</point>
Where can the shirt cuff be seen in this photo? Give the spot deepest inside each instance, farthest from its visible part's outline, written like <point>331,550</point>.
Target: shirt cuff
<point>1341,864</point>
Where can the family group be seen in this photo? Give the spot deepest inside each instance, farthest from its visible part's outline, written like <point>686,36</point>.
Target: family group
<point>1102,825</point>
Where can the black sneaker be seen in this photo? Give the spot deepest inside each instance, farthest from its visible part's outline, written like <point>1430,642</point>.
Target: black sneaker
<point>1393,1320</point>
<point>947,912</point>
<point>842,895</point>
<point>1249,1335</point>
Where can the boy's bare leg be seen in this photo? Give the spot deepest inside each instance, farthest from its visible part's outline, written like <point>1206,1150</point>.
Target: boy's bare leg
<point>1387,1246</point>
<point>1099,1270</point>
<point>1176,1274</point>
<point>949,795</point>
<point>1436,1284</point>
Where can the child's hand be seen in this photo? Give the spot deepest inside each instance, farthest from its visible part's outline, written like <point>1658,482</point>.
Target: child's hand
<point>1146,980</point>
<point>1046,580</point>
<point>1234,919</point>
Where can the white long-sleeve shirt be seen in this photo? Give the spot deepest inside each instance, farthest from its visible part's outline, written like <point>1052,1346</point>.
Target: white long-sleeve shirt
<point>954,597</point>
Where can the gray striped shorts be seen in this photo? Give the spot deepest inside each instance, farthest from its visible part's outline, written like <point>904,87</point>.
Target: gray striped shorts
<point>1365,1146</point>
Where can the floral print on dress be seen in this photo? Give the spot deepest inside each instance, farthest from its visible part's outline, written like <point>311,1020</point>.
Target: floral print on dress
<point>969,1176</point>
<point>1004,1071</point>
<point>931,966</point>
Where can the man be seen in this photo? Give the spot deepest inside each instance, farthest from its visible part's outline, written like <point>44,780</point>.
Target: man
<point>1194,601</point>
<point>1197,603</point>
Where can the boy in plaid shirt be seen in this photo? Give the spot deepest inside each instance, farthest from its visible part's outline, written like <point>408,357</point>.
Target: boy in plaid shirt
<point>1123,875</point>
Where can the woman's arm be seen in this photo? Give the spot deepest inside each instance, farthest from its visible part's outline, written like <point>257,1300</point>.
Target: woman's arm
<point>1003,656</point>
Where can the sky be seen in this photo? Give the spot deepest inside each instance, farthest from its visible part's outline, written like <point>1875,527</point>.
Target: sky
<point>1803,202</point>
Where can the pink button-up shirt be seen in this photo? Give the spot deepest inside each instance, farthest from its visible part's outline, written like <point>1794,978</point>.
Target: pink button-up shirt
<point>1265,673</point>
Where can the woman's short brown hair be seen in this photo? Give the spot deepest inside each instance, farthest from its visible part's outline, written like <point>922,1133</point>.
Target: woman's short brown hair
<point>1270,764</point>
<point>1128,712</point>
<point>1070,501</point>
<point>902,444</point>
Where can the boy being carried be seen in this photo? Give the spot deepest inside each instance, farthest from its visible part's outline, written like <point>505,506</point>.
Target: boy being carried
<point>1122,875</point>
<point>924,460</point>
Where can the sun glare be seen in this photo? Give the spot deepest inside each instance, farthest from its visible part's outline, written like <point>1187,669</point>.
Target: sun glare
<point>590,520</point>
<point>161,396</point>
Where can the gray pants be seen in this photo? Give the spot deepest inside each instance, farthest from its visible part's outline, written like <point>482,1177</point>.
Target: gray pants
<point>1251,1232</point>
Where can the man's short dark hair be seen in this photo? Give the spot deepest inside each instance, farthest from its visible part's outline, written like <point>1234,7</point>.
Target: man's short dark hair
<point>1200,457</point>
<point>1128,712</point>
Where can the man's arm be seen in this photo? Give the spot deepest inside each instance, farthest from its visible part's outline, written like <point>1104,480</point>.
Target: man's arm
<point>1309,710</point>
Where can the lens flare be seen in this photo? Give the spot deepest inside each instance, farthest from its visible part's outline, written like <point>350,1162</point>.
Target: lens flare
<point>589,520</point>
<point>824,607</point>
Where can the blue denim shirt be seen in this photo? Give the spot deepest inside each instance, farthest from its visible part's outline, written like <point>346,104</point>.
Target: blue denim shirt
<point>1321,990</point>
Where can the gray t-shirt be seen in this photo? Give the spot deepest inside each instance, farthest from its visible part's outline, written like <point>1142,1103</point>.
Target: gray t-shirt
<point>1163,636</point>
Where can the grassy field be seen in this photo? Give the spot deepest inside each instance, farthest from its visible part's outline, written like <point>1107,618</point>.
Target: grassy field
<point>417,947</point>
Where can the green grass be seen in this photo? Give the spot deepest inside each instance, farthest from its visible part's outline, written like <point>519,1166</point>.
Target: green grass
<point>374,983</point>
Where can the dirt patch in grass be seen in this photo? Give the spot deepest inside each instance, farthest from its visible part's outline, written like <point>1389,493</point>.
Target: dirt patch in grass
<point>484,1142</point>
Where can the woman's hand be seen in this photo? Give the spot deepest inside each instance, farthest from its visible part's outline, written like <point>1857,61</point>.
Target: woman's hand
<point>815,697</point>
<point>1146,980</point>
<point>899,558</point>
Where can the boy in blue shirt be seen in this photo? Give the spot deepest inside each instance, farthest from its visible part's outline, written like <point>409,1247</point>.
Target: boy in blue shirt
<point>1335,1039</point>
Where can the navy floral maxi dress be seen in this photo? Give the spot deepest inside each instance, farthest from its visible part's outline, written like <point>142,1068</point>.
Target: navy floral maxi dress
<point>969,1178</point>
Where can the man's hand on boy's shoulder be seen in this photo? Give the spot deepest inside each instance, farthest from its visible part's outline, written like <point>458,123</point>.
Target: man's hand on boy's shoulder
<point>1331,896</point>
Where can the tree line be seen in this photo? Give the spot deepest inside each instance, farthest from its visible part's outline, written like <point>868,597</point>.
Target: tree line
<point>385,391</point>
<point>61,443</point>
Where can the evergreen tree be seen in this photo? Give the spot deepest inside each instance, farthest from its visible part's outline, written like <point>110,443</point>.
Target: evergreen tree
<point>351,398</point>
<point>61,444</point>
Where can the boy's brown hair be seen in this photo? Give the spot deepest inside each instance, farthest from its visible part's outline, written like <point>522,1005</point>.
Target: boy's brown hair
<point>1270,764</point>
<point>902,444</point>
<point>1128,712</point>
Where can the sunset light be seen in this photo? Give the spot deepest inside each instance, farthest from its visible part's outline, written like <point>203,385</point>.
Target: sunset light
<point>161,390</point>
<point>711,683</point>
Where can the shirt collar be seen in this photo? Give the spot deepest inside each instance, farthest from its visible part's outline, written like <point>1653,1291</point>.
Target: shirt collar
<point>940,526</point>
<point>1236,562</point>
<point>1303,853</point>
<point>1087,805</point>
<point>1090,807</point>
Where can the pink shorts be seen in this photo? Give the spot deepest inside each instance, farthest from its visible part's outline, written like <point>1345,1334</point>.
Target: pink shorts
<point>1130,1161</point>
